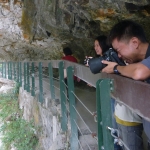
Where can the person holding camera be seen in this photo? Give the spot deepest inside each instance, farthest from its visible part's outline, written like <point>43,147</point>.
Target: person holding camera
<point>100,47</point>
<point>129,40</point>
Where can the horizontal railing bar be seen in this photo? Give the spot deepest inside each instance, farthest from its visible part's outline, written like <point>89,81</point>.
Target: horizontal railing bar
<point>133,94</point>
<point>81,71</point>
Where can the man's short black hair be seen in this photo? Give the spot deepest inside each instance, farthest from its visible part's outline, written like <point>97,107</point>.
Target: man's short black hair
<point>67,51</point>
<point>125,30</point>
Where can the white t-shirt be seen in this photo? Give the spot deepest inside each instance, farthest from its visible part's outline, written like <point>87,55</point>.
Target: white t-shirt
<point>126,114</point>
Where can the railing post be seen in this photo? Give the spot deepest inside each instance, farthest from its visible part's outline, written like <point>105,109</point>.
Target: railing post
<point>20,73</point>
<point>17,76</point>
<point>105,89</point>
<point>40,83</point>
<point>8,68</point>
<point>74,130</point>
<point>14,70</point>
<point>25,74</point>
<point>10,71</point>
<point>99,117</point>
<point>51,81</point>
<point>33,80</point>
<point>2,69</point>
<point>63,97</point>
<point>5,69</point>
<point>28,78</point>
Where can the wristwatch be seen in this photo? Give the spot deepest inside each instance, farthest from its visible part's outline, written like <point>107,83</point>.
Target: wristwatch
<point>115,69</point>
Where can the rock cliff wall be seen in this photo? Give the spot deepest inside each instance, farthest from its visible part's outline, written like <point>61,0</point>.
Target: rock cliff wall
<point>37,30</point>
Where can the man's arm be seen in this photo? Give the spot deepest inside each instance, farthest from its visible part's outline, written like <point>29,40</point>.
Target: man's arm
<point>136,71</point>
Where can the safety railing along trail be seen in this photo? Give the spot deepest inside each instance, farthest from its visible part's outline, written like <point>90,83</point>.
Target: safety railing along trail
<point>133,94</point>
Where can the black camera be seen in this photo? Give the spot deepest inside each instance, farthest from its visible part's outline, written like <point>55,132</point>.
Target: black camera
<point>96,64</point>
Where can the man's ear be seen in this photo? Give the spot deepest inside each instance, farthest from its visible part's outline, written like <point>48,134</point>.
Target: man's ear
<point>135,42</point>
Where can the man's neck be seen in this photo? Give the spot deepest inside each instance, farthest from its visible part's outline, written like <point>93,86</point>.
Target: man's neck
<point>142,50</point>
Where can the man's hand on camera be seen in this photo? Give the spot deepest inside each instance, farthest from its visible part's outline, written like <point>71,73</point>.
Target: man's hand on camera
<point>110,66</point>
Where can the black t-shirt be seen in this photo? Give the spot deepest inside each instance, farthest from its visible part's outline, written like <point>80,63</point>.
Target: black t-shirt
<point>146,62</point>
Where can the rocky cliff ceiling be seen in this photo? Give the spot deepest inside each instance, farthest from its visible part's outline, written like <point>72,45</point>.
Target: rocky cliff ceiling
<point>39,29</point>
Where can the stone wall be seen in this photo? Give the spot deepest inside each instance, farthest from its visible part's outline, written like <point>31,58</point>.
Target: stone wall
<point>47,118</point>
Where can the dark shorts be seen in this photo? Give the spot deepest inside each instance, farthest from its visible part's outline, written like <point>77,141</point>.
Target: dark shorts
<point>146,126</point>
<point>131,136</point>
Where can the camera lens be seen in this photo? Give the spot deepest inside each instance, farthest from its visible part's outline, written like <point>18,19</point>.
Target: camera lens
<point>96,64</point>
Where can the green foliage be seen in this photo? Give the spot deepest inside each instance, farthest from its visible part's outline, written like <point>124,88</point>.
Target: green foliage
<point>19,133</point>
<point>15,131</point>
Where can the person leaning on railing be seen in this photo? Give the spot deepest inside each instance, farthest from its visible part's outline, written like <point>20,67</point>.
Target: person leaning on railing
<point>129,40</point>
<point>100,47</point>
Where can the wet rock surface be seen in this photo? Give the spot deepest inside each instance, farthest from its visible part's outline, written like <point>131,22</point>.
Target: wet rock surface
<point>37,30</point>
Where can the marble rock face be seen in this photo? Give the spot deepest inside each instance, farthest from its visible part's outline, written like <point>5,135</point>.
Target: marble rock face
<point>38,30</point>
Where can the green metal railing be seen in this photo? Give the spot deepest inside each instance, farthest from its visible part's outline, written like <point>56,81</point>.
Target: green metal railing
<point>104,111</point>
<point>27,74</point>
<point>25,71</point>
